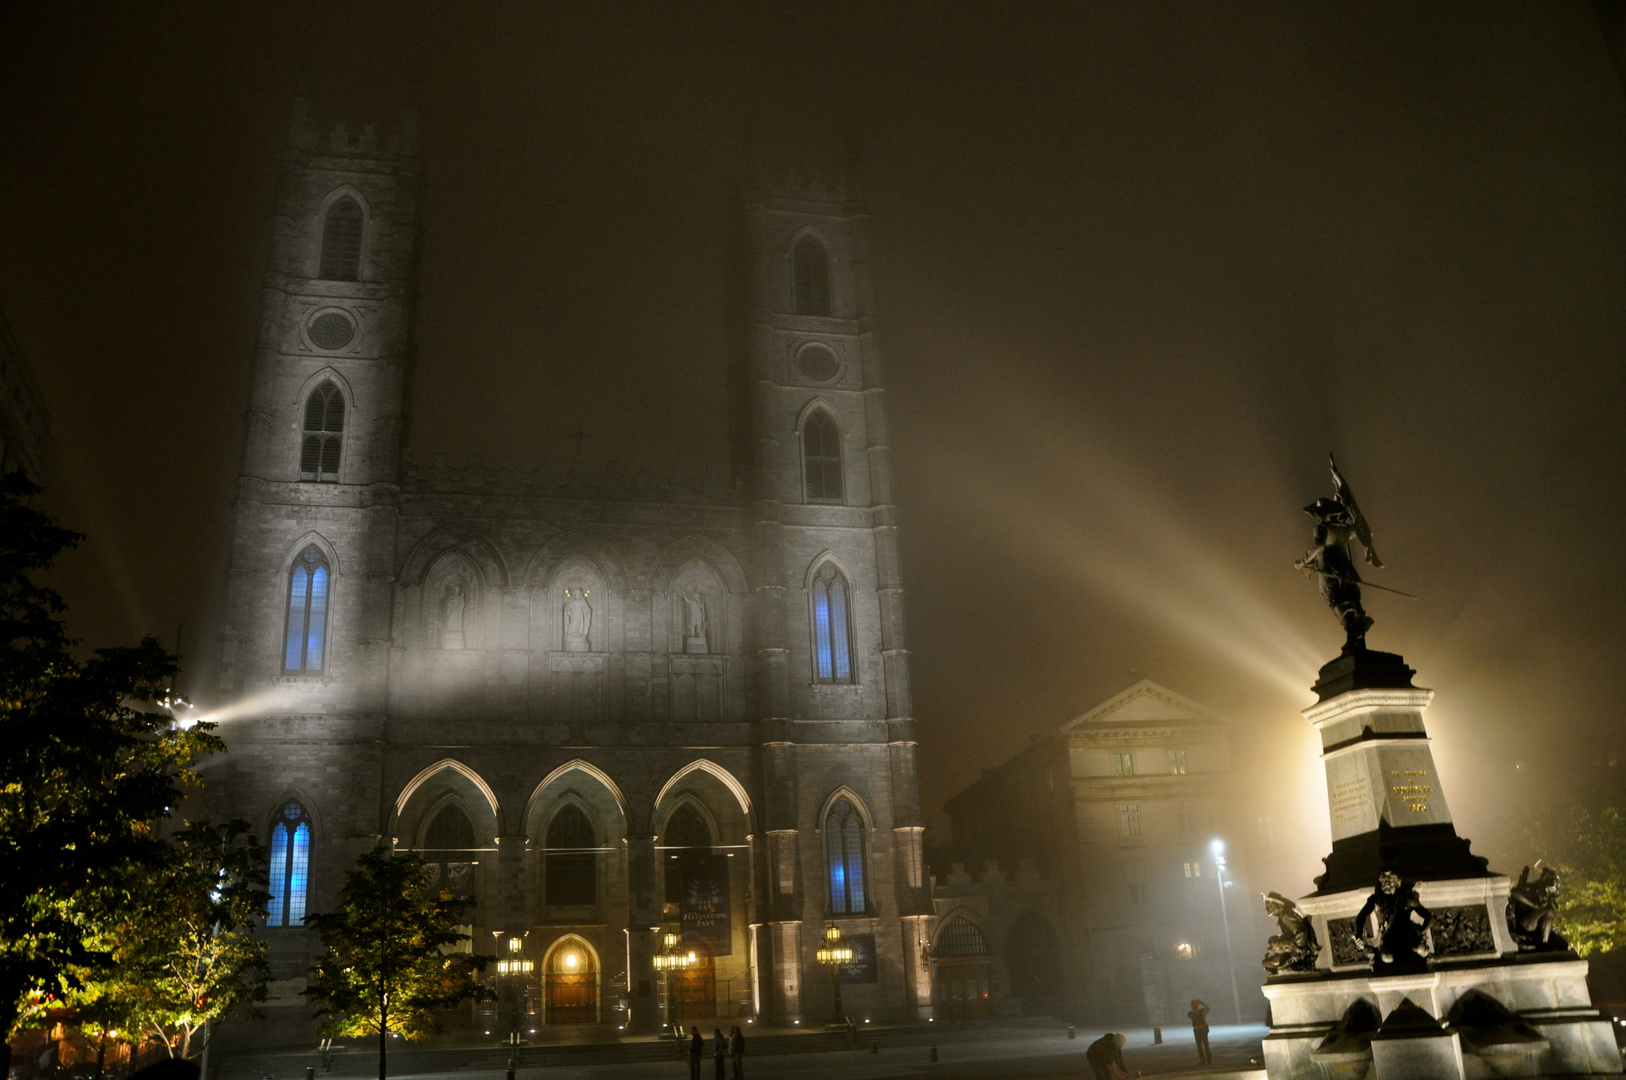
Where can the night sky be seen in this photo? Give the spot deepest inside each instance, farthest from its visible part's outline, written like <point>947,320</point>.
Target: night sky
<point>1138,266</point>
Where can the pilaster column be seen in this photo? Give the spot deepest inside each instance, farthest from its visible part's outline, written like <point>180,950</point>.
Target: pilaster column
<point>643,934</point>
<point>510,890</point>
<point>917,964</point>
<point>786,1002</point>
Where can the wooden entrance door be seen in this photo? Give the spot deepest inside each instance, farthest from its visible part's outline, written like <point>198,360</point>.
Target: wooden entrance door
<point>962,987</point>
<point>571,985</point>
<point>694,990</point>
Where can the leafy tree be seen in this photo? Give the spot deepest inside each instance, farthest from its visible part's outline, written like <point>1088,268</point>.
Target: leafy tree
<point>1592,897</point>
<point>388,966</point>
<point>184,953</point>
<point>86,775</point>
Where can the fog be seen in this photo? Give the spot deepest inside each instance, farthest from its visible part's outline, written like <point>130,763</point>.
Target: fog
<point>1139,268</point>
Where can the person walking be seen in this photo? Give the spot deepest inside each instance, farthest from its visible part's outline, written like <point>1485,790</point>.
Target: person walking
<point>697,1046</point>
<point>1199,1028</point>
<point>1106,1057</point>
<point>736,1050</point>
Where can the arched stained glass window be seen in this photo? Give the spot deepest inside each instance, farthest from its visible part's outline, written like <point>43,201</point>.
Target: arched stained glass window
<point>832,637</point>
<point>341,241</point>
<point>844,851</point>
<point>821,457</point>
<point>450,830</point>
<point>686,836</point>
<point>324,434</point>
<point>308,586</point>
<point>572,861</point>
<point>290,866</point>
<point>810,273</point>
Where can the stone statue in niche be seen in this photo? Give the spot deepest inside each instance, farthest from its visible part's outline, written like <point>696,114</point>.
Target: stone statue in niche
<point>1532,908</point>
<point>453,602</point>
<point>694,622</point>
<point>1393,923</point>
<point>1296,947</point>
<point>578,619</point>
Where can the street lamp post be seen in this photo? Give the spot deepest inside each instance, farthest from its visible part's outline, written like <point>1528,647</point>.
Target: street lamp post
<point>833,955</point>
<point>672,958</point>
<point>1225,921</point>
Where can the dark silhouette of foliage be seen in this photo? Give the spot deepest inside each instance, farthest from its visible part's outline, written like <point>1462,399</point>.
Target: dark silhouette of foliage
<point>87,774</point>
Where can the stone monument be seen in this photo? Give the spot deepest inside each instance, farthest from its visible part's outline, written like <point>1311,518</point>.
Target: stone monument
<point>1403,963</point>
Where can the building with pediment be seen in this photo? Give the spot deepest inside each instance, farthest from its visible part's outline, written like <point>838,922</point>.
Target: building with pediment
<point>606,706</point>
<point>1086,865</point>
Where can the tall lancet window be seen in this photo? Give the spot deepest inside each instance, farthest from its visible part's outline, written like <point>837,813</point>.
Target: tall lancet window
<point>844,851</point>
<point>290,866</point>
<point>572,858</point>
<point>341,241</point>
<point>832,638</point>
<point>821,457</point>
<point>308,586</point>
<point>324,434</point>
<point>810,272</point>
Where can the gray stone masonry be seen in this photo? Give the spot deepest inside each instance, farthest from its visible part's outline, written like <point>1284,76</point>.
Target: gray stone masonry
<point>506,642</point>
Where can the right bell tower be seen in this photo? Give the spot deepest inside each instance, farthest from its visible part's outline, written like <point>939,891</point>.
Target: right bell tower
<point>831,664</point>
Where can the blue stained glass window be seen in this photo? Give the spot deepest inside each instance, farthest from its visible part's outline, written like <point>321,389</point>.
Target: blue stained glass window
<point>821,629</point>
<point>838,872</point>
<point>305,647</point>
<point>844,848</point>
<point>290,864</point>
<point>317,623</point>
<point>838,629</point>
<point>832,641</point>
<point>855,862</point>
<point>279,882</point>
<point>298,589</point>
<point>299,873</point>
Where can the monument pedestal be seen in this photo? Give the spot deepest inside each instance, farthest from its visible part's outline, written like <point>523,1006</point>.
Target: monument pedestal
<point>1478,1007</point>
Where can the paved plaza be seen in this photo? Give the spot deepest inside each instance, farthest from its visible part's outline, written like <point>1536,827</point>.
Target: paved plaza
<point>1013,1051</point>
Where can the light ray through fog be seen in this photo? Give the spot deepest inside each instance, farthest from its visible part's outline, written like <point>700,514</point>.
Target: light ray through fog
<point>264,701</point>
<point>1111,530</point>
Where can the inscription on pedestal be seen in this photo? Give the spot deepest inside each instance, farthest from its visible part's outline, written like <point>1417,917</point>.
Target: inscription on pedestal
<point>1408,785</point>
<point>1351,806</point>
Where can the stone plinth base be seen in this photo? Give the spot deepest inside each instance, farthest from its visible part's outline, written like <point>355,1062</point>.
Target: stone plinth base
<point>1517,1015</point>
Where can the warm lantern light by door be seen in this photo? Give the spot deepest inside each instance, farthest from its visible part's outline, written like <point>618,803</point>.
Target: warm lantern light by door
<point>835,953</point>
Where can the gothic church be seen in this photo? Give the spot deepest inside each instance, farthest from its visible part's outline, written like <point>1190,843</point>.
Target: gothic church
<point>629,716</point>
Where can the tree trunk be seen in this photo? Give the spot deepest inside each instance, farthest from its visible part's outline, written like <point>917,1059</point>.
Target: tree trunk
<point>383,1040</point>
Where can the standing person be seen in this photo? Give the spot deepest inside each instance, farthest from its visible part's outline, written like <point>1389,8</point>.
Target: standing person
<point>1106,1057</point>
<point>1199,1028</point>
<point>719,1051</point>
<point>697,1046</point>
<point>736,1050</point>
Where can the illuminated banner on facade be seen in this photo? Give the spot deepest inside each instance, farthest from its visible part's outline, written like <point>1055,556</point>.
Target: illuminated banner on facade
<point>705,907</point>
<point>861,968</point>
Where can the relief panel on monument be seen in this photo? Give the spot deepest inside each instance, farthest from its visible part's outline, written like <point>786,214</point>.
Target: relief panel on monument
<point>1462,931</point>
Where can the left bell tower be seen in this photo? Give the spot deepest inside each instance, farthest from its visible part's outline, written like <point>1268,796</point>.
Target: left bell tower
<point>315,514</point>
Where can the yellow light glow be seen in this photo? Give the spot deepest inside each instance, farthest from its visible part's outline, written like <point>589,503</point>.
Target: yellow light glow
<point>570,961</point>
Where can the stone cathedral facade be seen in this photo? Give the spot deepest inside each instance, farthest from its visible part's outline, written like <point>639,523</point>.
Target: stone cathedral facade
<point>607,707</point>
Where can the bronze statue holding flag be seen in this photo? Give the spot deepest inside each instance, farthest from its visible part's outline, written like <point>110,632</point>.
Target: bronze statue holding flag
<point>1338,521</point>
